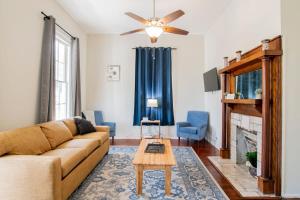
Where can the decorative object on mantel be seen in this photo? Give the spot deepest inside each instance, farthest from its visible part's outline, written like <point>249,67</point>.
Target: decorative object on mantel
<point>258,93</point>
<point>265,44</point>
<point>238,55</point>
<point>113,73</point>
<point>238,95</point>
<point>229,95</point>
<point>226,62</point>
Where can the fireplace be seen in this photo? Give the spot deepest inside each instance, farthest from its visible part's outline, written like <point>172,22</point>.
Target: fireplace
<point>246,137</point>
<point>261,115</point>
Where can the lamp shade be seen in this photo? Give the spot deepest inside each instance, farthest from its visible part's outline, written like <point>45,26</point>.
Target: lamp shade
<point>152,103</point>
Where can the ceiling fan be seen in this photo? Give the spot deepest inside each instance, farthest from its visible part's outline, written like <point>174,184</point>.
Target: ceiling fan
<point>155,26</point>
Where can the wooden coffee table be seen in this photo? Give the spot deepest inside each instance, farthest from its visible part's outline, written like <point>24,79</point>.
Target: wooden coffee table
<point>154,161</point>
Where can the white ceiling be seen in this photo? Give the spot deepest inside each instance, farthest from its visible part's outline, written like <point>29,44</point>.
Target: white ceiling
<point>107,16</point>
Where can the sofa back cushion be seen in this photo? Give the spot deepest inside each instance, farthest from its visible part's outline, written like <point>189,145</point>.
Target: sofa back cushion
<point>3,144</point>
<point>56,133</point>
<point>25,141</point>
<point>70,123</point>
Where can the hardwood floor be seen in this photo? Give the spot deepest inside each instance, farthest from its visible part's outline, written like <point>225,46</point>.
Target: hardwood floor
<point>203,150</point>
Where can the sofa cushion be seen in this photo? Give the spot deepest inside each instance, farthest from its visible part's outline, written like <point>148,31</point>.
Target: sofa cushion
<point>26,141</point>
<point>70,158</point>
<point>56,133</point>
<point>70,123</point>
<point>3,144</point>
<point>84,126</point>
<point>100,136</point>
<point>190,130</point>
<point>89,145</point>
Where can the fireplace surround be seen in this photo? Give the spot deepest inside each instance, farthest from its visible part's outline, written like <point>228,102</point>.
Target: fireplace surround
<point>268,108</point>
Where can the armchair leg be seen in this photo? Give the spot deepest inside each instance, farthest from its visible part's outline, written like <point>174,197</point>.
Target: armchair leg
<point>113,139</point>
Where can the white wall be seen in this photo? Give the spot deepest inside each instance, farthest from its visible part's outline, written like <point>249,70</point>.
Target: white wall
<point>241,27</point>
<point>20,51</point>
<point>291,109</point>
<point>116,99</point>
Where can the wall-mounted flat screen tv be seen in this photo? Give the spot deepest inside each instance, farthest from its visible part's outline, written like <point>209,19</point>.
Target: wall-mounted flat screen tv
<point>211,80</point>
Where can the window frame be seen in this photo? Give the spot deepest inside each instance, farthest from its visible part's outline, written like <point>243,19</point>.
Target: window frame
<point>62,39</point>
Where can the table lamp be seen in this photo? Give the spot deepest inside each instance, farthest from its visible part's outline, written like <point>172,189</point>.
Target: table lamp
<point>152,103</point>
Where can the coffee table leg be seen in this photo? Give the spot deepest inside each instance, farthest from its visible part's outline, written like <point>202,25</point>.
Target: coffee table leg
<point>168,180</point>
<point>139,179</point>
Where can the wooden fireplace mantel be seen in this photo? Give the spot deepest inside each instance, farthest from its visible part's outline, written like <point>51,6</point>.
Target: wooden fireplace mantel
<point>268,108</point>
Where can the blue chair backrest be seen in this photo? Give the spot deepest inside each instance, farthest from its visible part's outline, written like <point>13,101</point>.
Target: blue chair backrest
<point>197,118</point>
<point>98,117</point>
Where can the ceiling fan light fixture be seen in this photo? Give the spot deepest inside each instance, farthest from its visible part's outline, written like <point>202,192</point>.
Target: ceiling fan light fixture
<point>154,31</point>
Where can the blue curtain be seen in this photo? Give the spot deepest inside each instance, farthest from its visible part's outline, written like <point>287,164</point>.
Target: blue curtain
<point>153,79</point>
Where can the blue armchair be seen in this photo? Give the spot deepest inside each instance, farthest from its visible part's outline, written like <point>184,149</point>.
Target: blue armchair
<point>196,126</point>
<point>100,122</point>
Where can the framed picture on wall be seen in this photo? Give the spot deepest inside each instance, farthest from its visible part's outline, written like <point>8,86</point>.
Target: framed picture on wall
<point>113,72</point>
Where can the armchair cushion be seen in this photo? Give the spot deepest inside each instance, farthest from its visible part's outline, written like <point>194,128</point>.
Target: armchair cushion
<point>189,130</point>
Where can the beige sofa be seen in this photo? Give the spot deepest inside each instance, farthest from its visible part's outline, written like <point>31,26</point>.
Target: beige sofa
<point>48,161</point>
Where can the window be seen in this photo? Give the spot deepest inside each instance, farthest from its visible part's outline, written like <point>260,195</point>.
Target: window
<point>62,76</point>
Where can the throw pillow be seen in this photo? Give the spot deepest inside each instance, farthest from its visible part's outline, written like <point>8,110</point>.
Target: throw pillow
<point>84,126</point>
<point>83,115</point>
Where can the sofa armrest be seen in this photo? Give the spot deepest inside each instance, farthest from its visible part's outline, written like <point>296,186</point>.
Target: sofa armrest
<point>102,129</point>
<point>183,124</point>
<point>30,177</point>
<point>112,125</point>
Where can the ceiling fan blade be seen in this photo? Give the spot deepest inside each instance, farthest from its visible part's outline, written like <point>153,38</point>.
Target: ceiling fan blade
<point>136,17</point>
<point>153,39</point>
<point>172,16</point>
<point>133,31</point>
<point>170,29</point>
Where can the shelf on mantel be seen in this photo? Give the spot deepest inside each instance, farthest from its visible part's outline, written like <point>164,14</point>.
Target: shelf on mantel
<point>250,59</point>
<point>242,101</point>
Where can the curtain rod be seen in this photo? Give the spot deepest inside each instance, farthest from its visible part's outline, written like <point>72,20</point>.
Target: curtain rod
<point>47,16</point>
<point>156,47</point>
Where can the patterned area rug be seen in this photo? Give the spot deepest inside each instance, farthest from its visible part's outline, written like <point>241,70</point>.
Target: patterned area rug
<point>114,178</point>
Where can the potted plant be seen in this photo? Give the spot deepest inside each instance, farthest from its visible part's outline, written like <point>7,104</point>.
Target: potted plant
<point>258,93</point>
<point>238,95</point>
<point>252,162</point>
